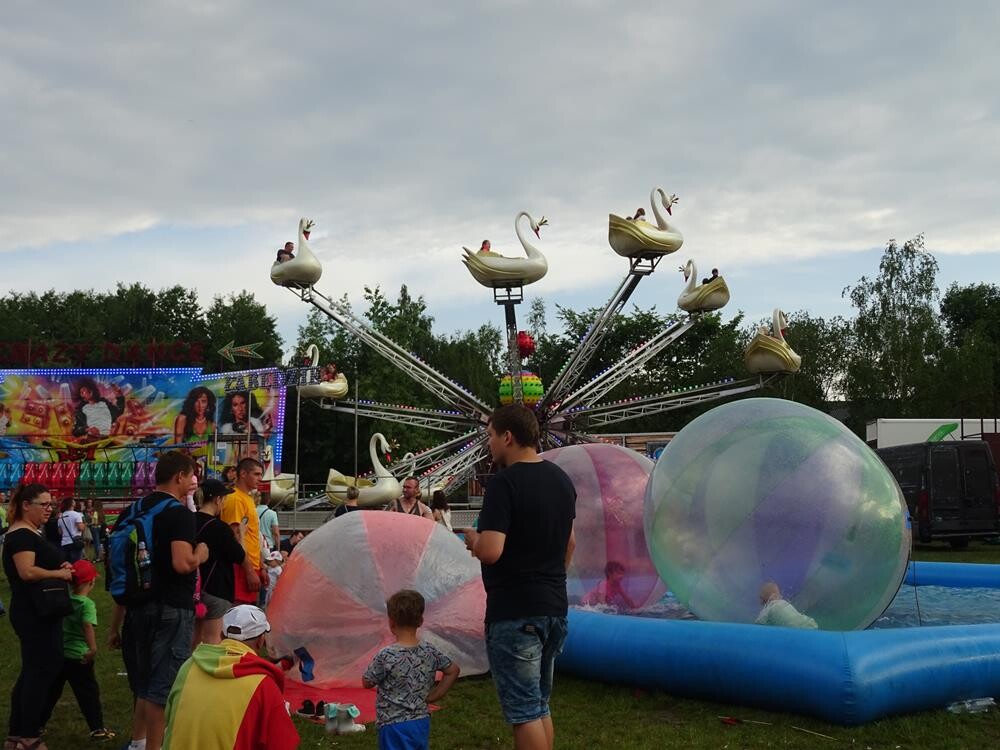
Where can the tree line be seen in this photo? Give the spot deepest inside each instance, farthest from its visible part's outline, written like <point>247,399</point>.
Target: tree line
<point>131,325</point>
<point>905,351</point>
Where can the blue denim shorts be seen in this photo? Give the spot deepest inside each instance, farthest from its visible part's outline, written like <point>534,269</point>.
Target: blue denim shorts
<point>156,641</point>
<point>522,655</point>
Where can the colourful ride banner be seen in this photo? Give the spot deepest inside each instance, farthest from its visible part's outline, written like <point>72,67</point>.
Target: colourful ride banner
<point>132,414</point>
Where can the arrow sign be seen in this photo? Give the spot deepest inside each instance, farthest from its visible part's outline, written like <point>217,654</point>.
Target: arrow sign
<point>247,350</point>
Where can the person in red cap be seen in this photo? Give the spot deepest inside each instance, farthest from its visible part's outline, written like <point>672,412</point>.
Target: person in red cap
<point>79,652</point>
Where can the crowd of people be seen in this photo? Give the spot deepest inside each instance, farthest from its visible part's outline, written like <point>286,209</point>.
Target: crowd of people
<point>191,622</point>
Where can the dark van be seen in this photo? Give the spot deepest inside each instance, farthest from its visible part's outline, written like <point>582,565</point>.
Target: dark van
<point>951,489</point>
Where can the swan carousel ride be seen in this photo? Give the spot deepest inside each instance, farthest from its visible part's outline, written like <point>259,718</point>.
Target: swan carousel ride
<point>711,295</point>
<point>372,493</point>
<point>634,237</point>
<point>768,352</point>
<point>496,271</point>
<point>283,487</point>
<point>304,269</point>
<point>334,388</point>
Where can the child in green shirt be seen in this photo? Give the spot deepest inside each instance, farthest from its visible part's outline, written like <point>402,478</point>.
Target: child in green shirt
<point>79,650</point>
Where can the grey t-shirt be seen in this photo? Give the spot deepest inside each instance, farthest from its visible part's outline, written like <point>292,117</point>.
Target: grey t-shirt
<point>404,676</point>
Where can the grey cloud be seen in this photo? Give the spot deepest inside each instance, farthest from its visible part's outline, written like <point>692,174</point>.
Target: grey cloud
<point>788,130</point>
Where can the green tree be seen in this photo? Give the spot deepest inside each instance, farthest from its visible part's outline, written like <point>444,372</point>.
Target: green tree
<point>896,331</point>
<point>968,309</point>
<point>825,346</point>
<point>971,316</point>
<point>240,318</point>
<point>327,437</point>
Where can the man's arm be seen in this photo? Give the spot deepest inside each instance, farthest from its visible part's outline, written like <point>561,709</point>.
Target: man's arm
<point>252,576</point>
<point>185,558</point>
<point>486,546</point>
<point>115,633</point>
<point>570,547</point>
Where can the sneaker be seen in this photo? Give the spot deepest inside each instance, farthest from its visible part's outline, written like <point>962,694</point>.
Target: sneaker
<point>346,714</point>
<point>102,734</point>
<point>308,710</point>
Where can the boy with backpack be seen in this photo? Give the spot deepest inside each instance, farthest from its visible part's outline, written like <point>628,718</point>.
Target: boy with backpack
<point>153,558</point>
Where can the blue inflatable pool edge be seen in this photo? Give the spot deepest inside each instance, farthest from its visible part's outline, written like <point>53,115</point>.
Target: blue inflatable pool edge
<point>842,677</point>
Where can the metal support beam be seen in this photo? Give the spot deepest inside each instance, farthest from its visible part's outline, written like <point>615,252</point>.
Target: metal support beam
<point>604,381</point>
<point>454,470</point>
<point>432,419</point>
<point>425,459</point>
<point>437,383</point>
<point>622,411</point>
<point>513,354</point>
<point>571,371</point>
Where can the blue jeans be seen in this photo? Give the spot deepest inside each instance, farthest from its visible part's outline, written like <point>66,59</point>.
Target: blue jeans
<point>156,641</point>
<point>522,655</point>
<point>95,535</point>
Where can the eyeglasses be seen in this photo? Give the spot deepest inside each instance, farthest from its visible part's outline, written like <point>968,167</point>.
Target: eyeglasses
<point>47,506</point>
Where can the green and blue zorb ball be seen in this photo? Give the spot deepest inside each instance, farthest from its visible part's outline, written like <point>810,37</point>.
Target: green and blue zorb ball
<point>764,490</point>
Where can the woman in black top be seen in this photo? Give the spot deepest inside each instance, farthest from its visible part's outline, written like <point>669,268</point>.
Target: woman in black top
<point>27,559</point>
<point>224,551</point>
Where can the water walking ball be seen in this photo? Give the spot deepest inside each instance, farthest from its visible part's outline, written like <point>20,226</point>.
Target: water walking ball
<point>610,484</point>
<point>531,387</point>
<point>764,490</point>
<point>331,597</point>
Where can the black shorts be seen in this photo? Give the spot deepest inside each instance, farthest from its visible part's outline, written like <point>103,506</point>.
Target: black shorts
<point>156,641</point>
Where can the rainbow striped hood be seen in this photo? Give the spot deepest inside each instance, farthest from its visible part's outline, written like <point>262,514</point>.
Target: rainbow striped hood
<point>226,697</point>
<point>231,659</point>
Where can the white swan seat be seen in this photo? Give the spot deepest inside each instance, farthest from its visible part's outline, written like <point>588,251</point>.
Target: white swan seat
<point>283,487</point>
<point>302,270</point>
<point>702,297</point>
<point>494,270</point>
<point>336,388</point>
<point>769,353</point>
<point>371,494</point>
<point>641,239</point>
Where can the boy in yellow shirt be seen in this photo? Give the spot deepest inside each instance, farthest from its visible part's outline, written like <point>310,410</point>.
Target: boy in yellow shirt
<point>240,512</point>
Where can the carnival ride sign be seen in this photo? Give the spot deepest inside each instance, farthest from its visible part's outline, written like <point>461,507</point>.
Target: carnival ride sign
<point>115,414</point>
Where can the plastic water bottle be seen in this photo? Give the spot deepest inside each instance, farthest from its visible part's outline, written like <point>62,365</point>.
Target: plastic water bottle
<point>971,706</point>
<point>145,571</point>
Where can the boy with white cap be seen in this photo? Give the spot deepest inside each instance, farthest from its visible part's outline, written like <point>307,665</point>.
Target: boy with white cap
<point>274,569</point>
<point>226,697</point>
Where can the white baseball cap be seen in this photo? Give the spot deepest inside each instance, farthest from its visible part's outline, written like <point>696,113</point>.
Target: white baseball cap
<point>276,555</point>
<point>244,623</point>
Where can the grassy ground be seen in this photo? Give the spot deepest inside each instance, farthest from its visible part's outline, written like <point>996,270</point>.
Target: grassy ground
<point>587,715</point>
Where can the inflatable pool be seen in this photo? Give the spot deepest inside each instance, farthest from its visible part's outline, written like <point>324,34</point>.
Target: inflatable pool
<point>842,677</point>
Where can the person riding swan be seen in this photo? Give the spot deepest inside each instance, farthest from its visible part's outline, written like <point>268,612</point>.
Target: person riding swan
<point>701,297</point>
<point>336,388</point>
<point>637,238</point>
<point>304,269</point>
<point>768,352</point>
<point>494,270</point>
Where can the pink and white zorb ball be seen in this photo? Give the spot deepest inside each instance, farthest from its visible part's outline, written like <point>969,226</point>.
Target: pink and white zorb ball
<point>610,484</point>
<point>331,596</point>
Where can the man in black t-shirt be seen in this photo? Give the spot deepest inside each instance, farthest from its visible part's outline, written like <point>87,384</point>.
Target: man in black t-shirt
<point>524,541</point>
<point>156,636</point>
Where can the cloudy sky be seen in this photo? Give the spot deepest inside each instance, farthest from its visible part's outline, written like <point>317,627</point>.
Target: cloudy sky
<point>179,142</point>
